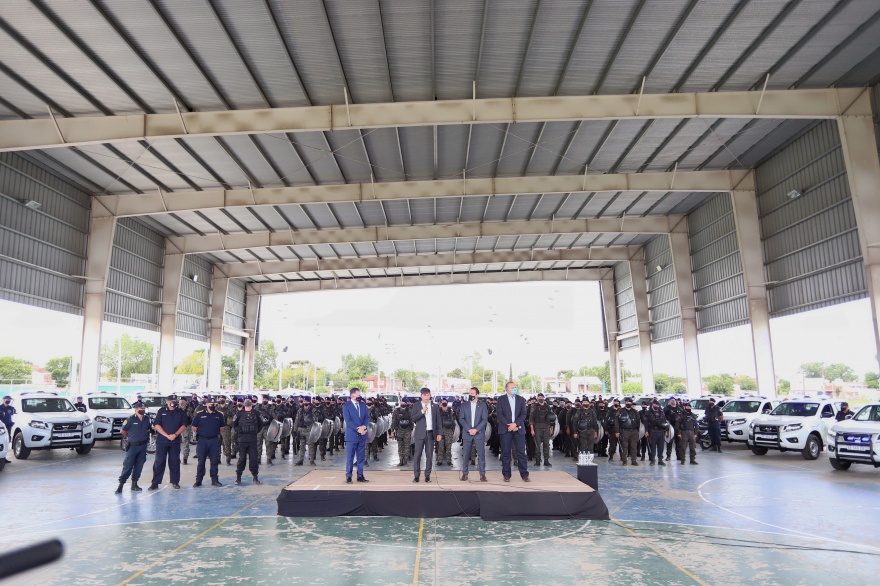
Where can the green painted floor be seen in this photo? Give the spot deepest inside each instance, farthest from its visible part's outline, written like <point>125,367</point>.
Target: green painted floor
<point>734,519</point>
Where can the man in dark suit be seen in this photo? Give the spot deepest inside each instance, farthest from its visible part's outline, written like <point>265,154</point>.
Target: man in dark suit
<point>512,429</point>
<point>472,418</point>
<point>426,419</point>
<point>357,418</point>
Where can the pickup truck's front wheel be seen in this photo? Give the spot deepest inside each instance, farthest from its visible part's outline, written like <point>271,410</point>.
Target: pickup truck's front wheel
<point>20,450</point>
<point>812,449</point>
<point>83,450</point>
<point>758,450</point>
<point>839,464</point>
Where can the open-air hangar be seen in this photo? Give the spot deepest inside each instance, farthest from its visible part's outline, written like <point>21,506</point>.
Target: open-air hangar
<point>713,163</point>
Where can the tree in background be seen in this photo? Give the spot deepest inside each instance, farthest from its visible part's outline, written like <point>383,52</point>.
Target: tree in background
<point>840,371</point>
<point>719,384</point>
<point>229,368</point>
<point>265,362</point>
<point>746,383</point>
<point>411,379</point>
<point>137,357</point>
<point>529,383</point>
<point>192,364</point>
<point>631,388</point>
<point>14,370</point>
<point>60,370</point>
<point>666,383</point>
<point>783,386</point>
<point>355,368</point>
<point>872,380</point>
<point>812,369</point>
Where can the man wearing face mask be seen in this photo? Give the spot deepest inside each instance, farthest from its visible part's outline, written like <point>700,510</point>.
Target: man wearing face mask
<point>137,430</point>
<point>6,413</point>
<point>512,429</point>
<point>688,433</point>
<point>472,418</point>
<point>207,426</point>
<point>602,416</point>
<point>170,424</point>
<point>265,411</point>
<point>628,425</point>
<point>302,426</point>
<point>540,422</point>
<point>584,427</point>
<point>612,429</point>
<point>447,431</point>
<point>655,427</point>
<point>426,419</point>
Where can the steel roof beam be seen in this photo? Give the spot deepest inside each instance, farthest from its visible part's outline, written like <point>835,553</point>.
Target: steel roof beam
<point>681,181</point>
<point>424,280</point>
<point>273,268</point>
<point>43,133</point>
<point>219,242</point>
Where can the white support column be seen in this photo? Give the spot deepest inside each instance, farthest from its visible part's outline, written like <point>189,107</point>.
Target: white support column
<point>609,305</point>
<point>170,294</point>
<point>640,296</point>
<point>101,233</point>
<point>681,262</point>
<point>859,143</point>
<point>220,284</point>
<point>748,234</point>
<point>251,321</point>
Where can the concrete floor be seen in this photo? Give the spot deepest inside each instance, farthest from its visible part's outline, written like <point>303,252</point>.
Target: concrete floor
<point>734,519</point>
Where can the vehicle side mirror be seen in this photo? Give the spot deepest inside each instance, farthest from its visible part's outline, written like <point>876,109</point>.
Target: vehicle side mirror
<point>766,411</point>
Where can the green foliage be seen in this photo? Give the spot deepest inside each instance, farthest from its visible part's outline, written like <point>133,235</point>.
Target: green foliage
<point>192,364</point>
<point>411,379</point>
<point>457,373</point>
<point>60,369</point>
<point>355,368</point>
<point>631,388</point>
<point>746,383</point>
<point>784,386</point>
<point>529,383</point>
<point>14,369</point>
<point>229,367</point>
<point>812,369</point>
<point>840,371</point>
<point>872,380</point>
<point>665,383</point>
<point>265,361</point>
<point>137,357</point>
<point>719,384</point>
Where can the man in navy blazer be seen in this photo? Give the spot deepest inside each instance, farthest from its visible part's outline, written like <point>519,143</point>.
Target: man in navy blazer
<point>357,418</point>
<point>472,418</point>
<point>512,429</point>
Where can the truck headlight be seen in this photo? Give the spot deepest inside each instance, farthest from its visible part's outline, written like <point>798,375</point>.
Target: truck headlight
<point>39,425</point>
<point>752,426</point>
<point>793,427</point>
<point>87,422</point>
<point>102,419</point>
<point>2,430</point>
<point>737,422</point>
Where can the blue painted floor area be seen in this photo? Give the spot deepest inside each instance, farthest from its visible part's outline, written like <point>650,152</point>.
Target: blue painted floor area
<point>735,518</point>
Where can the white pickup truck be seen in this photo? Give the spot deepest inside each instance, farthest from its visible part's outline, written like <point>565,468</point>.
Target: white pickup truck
<point>799,424</point>
<point>739,413</point>
<point>856,440</point>
<point>45,421</point>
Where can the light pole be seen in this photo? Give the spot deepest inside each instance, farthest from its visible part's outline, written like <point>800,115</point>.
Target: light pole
<point>280,363</point>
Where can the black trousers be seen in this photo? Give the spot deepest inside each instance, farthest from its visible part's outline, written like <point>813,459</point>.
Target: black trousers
<point>247,451</point>
<point>426,446</point>
<point>171,452</point>
<point>208,449</point>
<point>134,463</point>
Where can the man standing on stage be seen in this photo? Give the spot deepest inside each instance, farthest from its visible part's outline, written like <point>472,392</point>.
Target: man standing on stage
<point>356,421</point>
<point>472,418</point>
<point>512,430</point>
<point>426,419</point>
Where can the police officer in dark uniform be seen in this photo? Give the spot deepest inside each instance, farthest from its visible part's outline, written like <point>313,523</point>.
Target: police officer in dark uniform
<point>541,424</point>
<point>302,426</point>
<point>688,432</point>
<point>137,429</point>
<point>170,422</point>
<point>655,426</point>
<point>674,413</point>
<point>844,412</point>
<point>602,415</point>
<point>207,426</point>
<point>401,427</point>
<point>6,413</point>
<point>628,422</point>
<point>612,430</point>
<point>247,423</point>
<point>79,405</point>
<point>714,417</point>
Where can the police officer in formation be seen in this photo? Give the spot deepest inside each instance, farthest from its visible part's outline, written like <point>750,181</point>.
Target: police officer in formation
<point>628,422</point>
<point>541,421</point>
<point>446,432</point>
<point>714,417</point>
<point>688,432</point>
<point>287,411</point>
<point>6,413</point>
<point>247,423</point>
<point>170,424</point>
<point>137,429</point>
<point>401,427</point>
<point>674,413</point>
<point>227,410</point>
<point>612,430</point>
<point>643,441</point>
<point>305,419</point>
<point>207,426</point>
<point>584,426</point>
<point>266,416</point>
<point>656,429</point>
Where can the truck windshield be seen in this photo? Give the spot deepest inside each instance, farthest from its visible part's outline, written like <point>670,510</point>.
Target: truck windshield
<point>796,409</point>
<point>46,406</point>
<point>108,403</point>
<point>700,404</point>
<point>153,401</point>
<point>742,407</point>
<point>868,413</point>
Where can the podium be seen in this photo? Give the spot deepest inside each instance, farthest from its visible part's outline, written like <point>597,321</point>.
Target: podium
<point>589,475</point>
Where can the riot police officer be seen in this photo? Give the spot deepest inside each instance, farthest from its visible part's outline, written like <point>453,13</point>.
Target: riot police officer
<point>6,413</point>
<point>674,413</point>
<point>79,405</point>
<point>655,427</point>
<point>612,429</point>
<point>207,426</point>
<point>628,425</point>
<point>447,432</point>
<point>247,423</point>
<point>714,417</point>
<point>584,427</point>
<point>688,432</point>
<point>227,410</point>
<point>401,424</point>
<point>541,421</point>
<point>265,412</point>
<point>305,418</point>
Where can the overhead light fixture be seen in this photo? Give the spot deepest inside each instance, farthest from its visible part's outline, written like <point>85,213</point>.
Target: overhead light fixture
<point>195,278</point>
<point>659,268</point>
<point>794,194</point>
<point>31,203</point>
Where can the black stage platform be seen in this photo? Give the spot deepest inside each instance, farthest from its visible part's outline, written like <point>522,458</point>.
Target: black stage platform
<point>550,495</point>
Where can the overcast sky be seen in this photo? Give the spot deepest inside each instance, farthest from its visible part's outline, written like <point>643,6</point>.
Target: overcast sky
<point>537,327</point>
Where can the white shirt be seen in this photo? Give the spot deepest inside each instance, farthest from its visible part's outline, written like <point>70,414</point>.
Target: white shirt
<point>473,412</point>
<point>512,398</point>
<point>429,423</point>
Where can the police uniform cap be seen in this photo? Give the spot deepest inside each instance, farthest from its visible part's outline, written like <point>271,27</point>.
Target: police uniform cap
<point>7,397</point>
<point>137,404</point>
<point>171,398</point>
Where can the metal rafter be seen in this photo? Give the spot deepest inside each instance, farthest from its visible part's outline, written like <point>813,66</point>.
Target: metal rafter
<point>623,38</point>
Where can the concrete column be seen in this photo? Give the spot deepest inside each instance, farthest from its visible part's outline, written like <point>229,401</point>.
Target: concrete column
<point>220,284</point>
<point>859,143</point>
<point>101,233</point>
<point>748,234</point>
<point>639,277</point>
<point>609,305</point>
<point>251,319</point>
<point>681,262</point>
<point>168,326</point>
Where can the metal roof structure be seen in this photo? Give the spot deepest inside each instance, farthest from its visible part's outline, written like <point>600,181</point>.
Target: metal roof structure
<point>332,140</point>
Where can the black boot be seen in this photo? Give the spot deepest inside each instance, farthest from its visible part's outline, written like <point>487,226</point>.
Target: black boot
<point>238,479</point>
<point>135,487</point>
<point>119,488</point>
<point>257,480</point>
